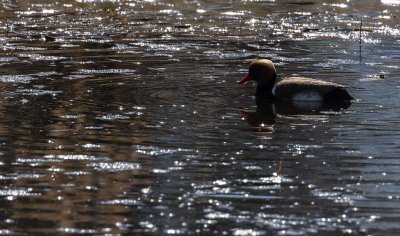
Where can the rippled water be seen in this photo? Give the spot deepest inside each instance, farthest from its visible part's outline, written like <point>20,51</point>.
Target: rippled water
<point>123,117</point>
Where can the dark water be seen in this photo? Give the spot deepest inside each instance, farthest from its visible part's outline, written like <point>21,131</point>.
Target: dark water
<point>124,118</point>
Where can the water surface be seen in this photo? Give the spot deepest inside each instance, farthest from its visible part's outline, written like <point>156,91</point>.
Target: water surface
<point>122,117</point>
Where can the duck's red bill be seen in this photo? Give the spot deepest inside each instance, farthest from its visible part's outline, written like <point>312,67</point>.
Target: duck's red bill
<point>244,80</point>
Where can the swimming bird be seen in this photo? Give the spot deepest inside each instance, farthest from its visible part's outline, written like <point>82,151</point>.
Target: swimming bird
<point>293,88</point>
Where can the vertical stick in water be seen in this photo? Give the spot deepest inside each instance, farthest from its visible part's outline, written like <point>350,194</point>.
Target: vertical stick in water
<point>7,29</point>
<point>360,38</point>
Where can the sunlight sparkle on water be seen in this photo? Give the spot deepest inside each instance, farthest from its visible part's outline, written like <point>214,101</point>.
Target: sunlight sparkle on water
<point>73,157</point>
<point>16,78</point>
<point>342,5</point>
<point>231,13</point>
<point>116,166</point>
<point>247,232</point>
<point>391,2</point>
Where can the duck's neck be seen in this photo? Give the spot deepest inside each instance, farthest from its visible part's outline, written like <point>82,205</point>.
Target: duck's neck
<point>264,90</point>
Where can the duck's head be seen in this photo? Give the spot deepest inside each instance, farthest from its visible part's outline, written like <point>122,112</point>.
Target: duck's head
<point>262,71</point>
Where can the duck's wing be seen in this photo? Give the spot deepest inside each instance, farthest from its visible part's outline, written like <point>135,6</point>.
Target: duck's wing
<point>301,88</point>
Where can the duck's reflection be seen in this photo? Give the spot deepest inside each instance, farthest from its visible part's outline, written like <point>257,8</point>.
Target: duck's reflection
<point>267,111</point>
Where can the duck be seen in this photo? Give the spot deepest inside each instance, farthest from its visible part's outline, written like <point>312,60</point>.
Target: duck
<point>303,89</point>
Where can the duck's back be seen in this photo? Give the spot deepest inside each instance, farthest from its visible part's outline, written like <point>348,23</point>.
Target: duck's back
<point>307,89</point>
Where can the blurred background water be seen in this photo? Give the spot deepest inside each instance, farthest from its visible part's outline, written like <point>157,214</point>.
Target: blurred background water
<point>123,117</point>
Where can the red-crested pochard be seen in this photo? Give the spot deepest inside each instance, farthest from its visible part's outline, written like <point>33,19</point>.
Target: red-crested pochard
<point>293,88</point>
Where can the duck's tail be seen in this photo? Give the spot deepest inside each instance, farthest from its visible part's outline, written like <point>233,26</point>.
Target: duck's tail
<point>338,94</point>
